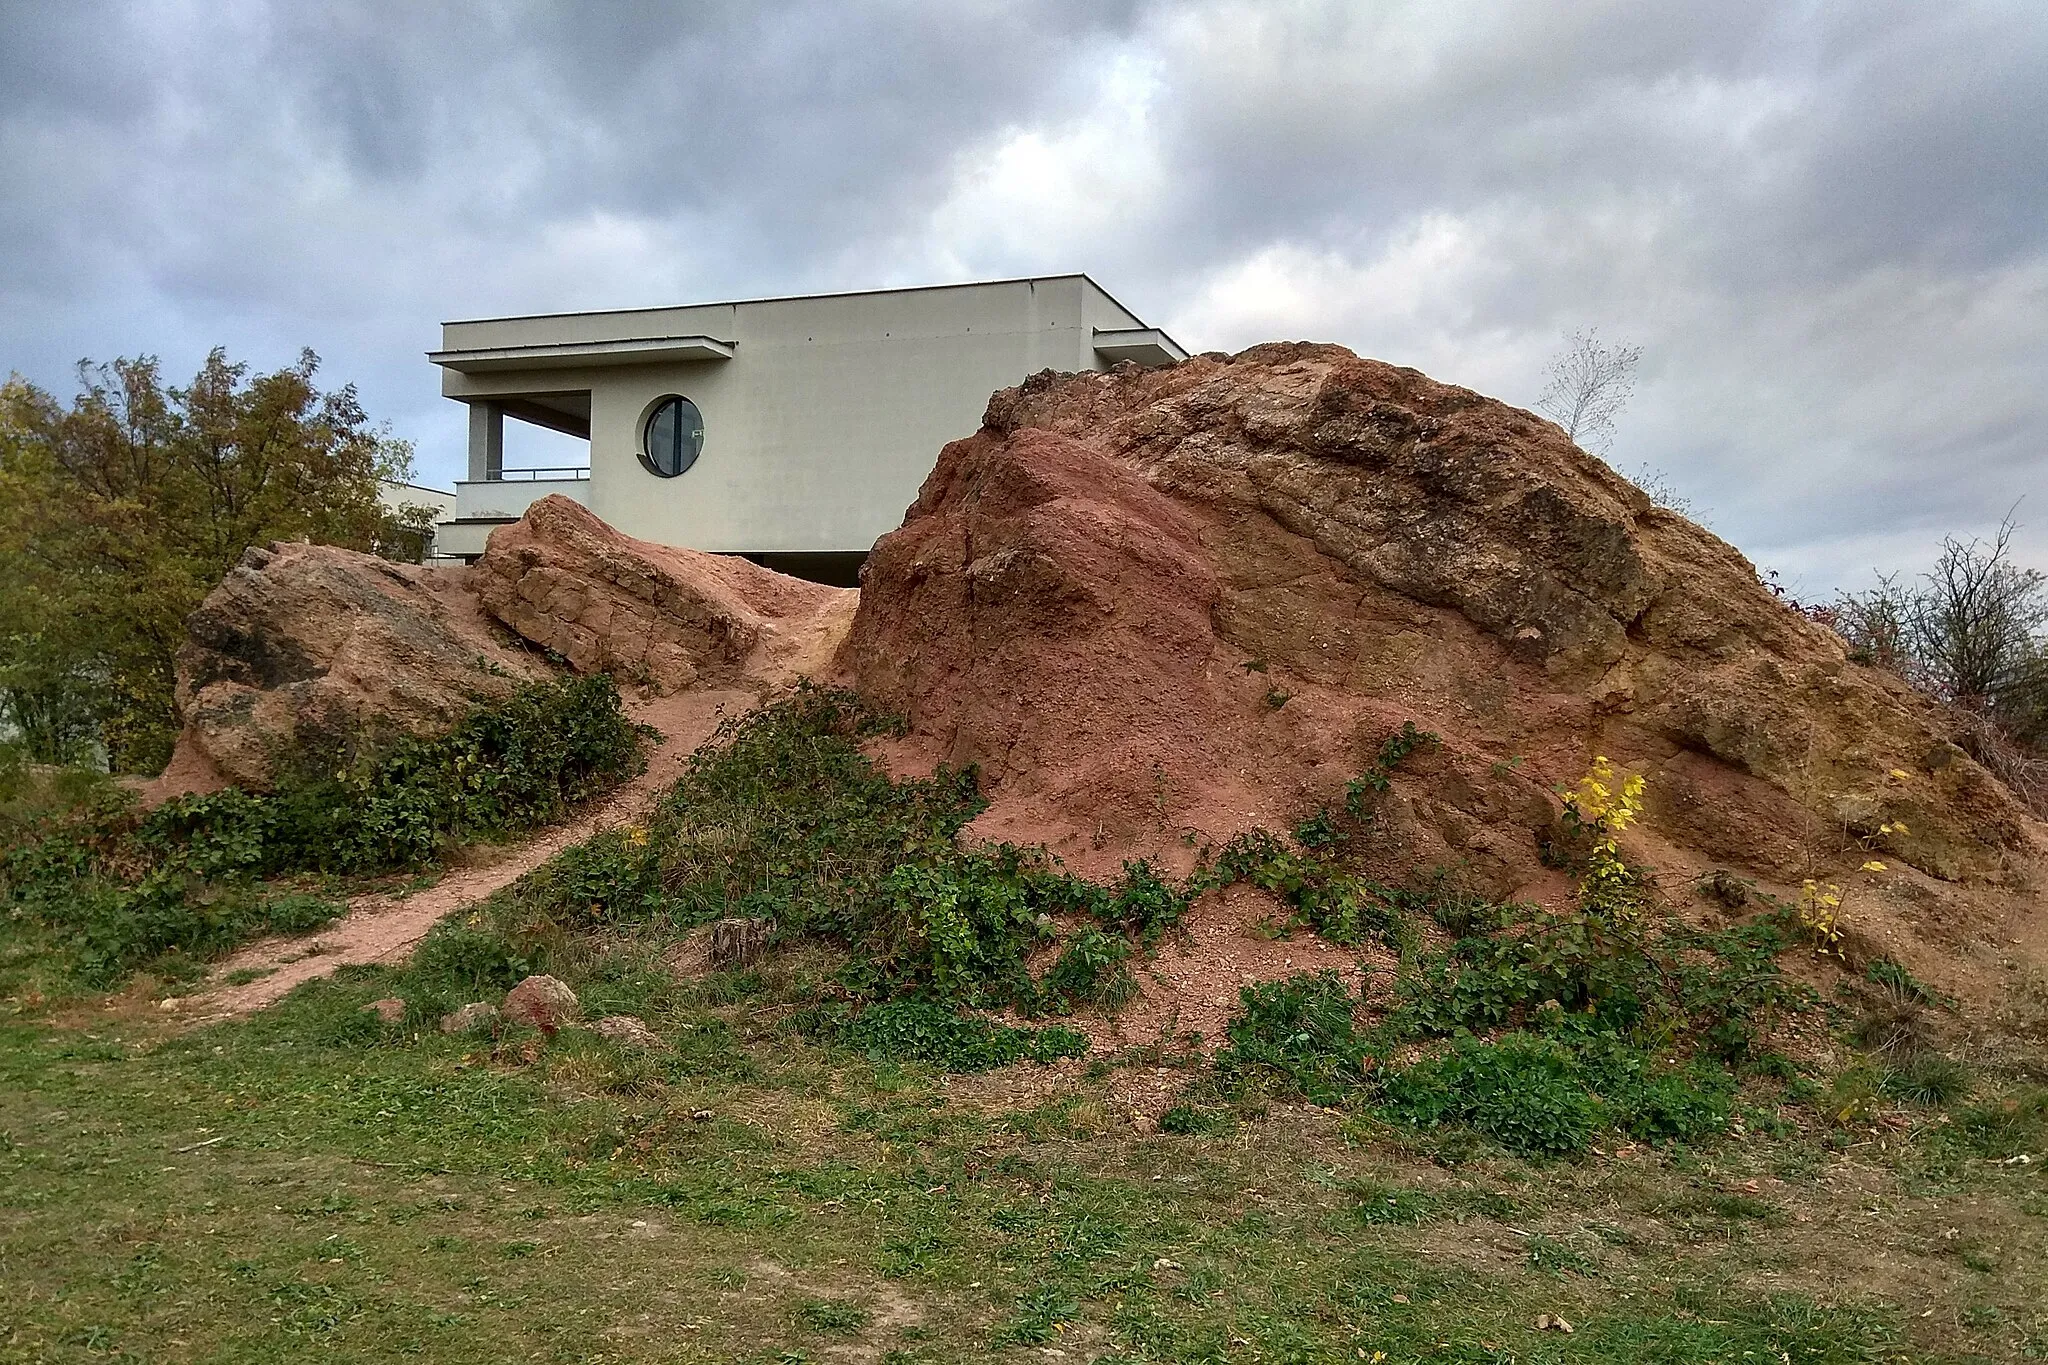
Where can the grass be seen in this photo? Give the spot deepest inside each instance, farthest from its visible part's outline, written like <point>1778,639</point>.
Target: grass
<point>829,1158</point>
<point>375,1194</point>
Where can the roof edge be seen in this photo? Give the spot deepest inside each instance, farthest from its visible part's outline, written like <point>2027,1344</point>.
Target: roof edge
<point>794,298</point>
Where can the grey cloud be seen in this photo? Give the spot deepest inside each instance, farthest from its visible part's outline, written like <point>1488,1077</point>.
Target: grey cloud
<point>1825,222</point>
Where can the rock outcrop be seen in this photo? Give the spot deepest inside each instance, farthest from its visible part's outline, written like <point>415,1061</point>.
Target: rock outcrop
<point>1159,607</point>
<point>652,613</point>
<point>308,646</point>
<point>305,647</point>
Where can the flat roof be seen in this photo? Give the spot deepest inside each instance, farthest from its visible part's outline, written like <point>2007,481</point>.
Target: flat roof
<point>794,298</point>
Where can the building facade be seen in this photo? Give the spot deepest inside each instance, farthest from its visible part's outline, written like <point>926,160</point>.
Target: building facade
<point>795,431</point>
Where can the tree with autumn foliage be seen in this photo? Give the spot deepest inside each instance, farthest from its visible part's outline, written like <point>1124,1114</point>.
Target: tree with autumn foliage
<point>120,511</point>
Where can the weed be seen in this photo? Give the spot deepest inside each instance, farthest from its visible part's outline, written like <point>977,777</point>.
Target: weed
<point>2003,1128</point>
<point>1524,1092</point>
<point>1298,1036</point>
<point>1552,1256</point>
<point>1376,1203</point>
<point>1926,1078</point>
<point>832,1315</point>
<point>920,1031</point>
<point>1187,1120</point>
<point>1895,980</point>
<point>1376,780</point>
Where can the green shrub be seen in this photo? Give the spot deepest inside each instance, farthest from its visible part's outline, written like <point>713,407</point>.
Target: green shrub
<point>507,766</point>
<point>1526,1093</point>
<point>921,1031</point>
<point>1091,968</point>
<point>462,960</point>
<point>1654,1101</point>
<point>181,883</point>
<point>1297,1034</point>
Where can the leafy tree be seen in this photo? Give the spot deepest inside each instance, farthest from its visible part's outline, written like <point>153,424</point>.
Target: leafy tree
<point>119,513</point>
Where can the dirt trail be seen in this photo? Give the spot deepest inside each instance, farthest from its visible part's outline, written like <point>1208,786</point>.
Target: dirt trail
<point>384,927</point>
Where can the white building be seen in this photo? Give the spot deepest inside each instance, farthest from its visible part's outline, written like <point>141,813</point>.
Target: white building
<point>408,502</point>
<point>794,431</point>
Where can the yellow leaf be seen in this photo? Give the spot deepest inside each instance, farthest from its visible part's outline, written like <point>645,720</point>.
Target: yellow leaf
<point>1873,866</point>
<point>1901,774</point>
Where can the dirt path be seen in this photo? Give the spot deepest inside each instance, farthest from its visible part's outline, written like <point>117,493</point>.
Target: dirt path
<point>384,927</point>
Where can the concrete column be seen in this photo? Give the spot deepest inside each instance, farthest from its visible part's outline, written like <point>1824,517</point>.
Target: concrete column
<point>486,442</point>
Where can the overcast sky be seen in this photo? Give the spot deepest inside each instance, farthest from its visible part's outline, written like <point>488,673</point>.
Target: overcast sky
<point>1826,225</point>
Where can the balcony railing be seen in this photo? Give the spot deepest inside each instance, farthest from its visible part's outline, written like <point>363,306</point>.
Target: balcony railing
<point>566,471</point>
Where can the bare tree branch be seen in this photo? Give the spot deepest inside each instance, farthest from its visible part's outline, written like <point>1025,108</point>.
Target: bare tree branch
<point>1590,383</point>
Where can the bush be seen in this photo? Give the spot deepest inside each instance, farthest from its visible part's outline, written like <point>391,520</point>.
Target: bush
<point>1299,1034</point>
<point>505,767</point>
<point>1524,1092</point>
<point>182,881</point>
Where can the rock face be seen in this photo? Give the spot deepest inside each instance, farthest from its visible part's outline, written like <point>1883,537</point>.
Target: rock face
<point>651,613</point>
<point>305,645</point>
<point>1187,601</point>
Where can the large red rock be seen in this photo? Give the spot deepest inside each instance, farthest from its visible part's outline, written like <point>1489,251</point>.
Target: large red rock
<point>650,613</point>
<point>1158,607</point>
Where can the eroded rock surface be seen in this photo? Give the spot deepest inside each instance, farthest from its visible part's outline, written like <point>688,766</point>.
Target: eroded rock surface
<point>652,613</point>
<point>1158,607</point>
<point>307,646</point>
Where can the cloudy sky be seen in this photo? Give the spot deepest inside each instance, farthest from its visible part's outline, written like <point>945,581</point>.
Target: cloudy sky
<point>1826,225</point>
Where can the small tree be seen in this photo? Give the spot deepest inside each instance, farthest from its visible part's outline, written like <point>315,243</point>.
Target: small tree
<point>1975,627</point>
<point>1969,633</point>
<point>1589,384</point>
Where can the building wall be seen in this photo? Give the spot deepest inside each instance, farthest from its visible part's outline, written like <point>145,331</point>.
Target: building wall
<point>821,427</point>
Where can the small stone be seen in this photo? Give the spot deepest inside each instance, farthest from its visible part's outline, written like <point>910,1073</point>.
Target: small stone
<point>546,1002</point>
<point>1165,1263</point>
<point>477,1015</point>
<point>168,1004</point>
<point>1400,1298</point>
<point>701,1116</point>
<point>390,1009</point>
<point>626,1031</point>
<point>1548,1322</point>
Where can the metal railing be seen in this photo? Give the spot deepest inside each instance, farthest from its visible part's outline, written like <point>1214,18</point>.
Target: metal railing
<point>565,471</point>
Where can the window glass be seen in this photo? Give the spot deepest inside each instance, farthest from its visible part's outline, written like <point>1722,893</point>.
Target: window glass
<point>672,438</point>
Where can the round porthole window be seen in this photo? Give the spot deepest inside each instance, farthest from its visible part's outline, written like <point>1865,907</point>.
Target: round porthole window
<point>672,437</point>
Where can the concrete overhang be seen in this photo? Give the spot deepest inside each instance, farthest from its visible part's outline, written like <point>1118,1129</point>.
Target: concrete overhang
<point>1143,345</point>
<point>562,355</point>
